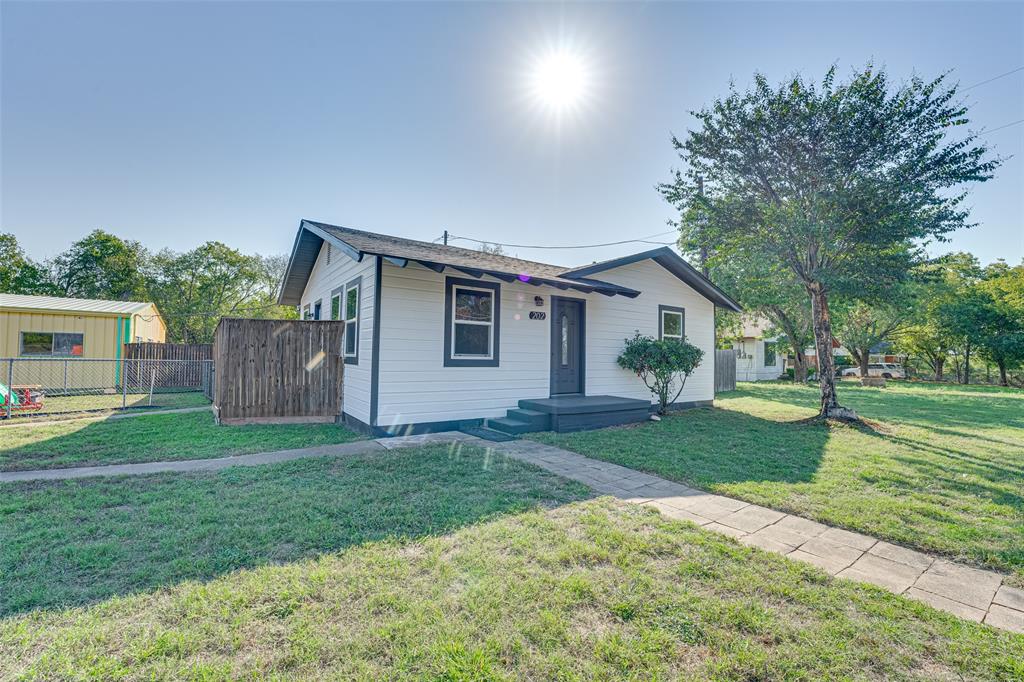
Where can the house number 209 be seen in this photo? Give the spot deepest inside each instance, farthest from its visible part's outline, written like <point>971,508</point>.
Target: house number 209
<point>538,315</point>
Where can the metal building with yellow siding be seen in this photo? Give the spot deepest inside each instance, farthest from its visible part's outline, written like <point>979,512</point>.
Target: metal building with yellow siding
<point>44,328</point>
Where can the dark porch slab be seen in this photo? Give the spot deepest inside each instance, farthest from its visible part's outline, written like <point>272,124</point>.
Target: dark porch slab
<point>583,404</point>
<point>578,413</point>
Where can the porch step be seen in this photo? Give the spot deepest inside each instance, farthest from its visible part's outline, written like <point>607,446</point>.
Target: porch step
<point>578,413</point>
<point>486,433</point>
<point>541,420</point>
<point>509,425</point>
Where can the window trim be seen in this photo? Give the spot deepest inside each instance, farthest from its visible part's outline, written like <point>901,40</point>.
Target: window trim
<point>306,314</point>
<point>318,308</point>
<point>53,345</point>
<point>764,354</point>
<point>662,309</point>
<point>452,360</point>
<point>342,292</point>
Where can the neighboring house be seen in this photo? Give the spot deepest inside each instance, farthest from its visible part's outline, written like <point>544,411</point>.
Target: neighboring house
<point>758,357</point>
<point>444,335</point>
<point>46,327</point>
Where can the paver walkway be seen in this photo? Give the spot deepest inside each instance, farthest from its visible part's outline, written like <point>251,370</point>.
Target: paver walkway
<point>967,592</point>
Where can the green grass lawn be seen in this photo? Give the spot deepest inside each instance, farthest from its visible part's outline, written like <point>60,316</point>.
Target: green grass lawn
<point>63,407</point>
<point>585,591</point>
<point>78,541</point>
<point>152,438</point>
<point>941,468</point>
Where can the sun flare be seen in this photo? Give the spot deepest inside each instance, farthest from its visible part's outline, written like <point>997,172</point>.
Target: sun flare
<point>560,81</point>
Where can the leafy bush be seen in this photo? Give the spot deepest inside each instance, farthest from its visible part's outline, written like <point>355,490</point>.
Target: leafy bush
<point>660,365</point>
<point>790,373</point>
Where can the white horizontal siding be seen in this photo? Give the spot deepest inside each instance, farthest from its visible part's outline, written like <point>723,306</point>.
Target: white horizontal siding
<point>752,367</point>
<point>324,279</point>
<point>416,387</point>
<point>611,319</point>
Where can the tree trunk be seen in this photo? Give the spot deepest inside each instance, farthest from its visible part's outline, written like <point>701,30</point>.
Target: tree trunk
<point>862,360</point>
<point>1002,373</point>
<point>800,367</point>
<point>939,362</point>
<point>967,364</point>
<point>822,323</point>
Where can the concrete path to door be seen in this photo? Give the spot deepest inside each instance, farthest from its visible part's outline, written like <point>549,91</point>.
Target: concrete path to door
<point>970,593</point>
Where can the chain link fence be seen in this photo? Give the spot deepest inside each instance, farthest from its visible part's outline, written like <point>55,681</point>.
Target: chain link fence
<point>65,386</point>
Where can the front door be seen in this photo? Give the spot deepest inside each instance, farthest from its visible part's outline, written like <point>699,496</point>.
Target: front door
<point>567,319</point>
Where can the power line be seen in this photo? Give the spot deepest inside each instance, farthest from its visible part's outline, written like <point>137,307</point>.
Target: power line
<point>994,78</point>
<point>641,240</point>
<point>1002,127</point>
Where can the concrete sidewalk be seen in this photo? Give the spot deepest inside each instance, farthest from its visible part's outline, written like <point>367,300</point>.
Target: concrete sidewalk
<point>964,591</point>
<point>216,463</point>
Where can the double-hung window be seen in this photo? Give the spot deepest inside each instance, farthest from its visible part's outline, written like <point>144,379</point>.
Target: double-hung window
<point>671,322</point>
<point>769,353</point>
<point>345,307</point>
<point>472,313</point>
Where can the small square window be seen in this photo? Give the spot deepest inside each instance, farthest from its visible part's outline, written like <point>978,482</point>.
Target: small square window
<point>671,323</point>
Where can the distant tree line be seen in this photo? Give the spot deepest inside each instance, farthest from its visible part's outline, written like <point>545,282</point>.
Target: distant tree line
<point>192,290</point>
<point>951,318</point>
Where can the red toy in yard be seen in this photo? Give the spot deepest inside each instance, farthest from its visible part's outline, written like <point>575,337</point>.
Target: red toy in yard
<point>22,399</point>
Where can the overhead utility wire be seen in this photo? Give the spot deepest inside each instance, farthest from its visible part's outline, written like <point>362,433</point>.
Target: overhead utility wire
<point>1014,123</point>
<point>994,78</point>
<point>641,240</point>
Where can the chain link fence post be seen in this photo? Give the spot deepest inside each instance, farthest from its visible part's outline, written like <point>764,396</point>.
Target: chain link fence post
<point>10,386</point>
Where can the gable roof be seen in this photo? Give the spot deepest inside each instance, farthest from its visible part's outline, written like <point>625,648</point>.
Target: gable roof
<point>399,251</point>
<point>71,305</point>
<point>671,261</point>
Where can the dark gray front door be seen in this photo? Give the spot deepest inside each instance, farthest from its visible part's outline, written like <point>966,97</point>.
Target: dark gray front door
<point>566,346</point>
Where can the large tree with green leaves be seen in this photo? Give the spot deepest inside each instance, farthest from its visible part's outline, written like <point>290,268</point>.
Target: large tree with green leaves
<point>101,265</point>
<point>770,291</point>
<point>861,326</point>
<point>927,334</point>
<point>193,290</point>
<point>18,273</point>
<point>838,182</point>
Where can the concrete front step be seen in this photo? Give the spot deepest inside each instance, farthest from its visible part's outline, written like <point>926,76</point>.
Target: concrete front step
<point>509,425</point>
<point>541,420</point>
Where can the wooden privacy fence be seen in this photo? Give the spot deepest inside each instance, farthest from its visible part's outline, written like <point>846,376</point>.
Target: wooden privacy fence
<point>725,370</point>
<point>278,371</point>
<point>190,371</point>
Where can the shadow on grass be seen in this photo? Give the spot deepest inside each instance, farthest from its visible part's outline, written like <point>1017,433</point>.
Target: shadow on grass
<point>708,446</point>
<point>151,438</point>
<point>77,542</point>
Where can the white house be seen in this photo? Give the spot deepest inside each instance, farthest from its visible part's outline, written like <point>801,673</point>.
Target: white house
<point>758,355</point>
<point>445,337</point>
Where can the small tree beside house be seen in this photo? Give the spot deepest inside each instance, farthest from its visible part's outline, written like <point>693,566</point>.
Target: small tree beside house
<point>661,365</point>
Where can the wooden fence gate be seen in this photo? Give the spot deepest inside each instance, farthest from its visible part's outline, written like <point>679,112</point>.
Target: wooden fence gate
<point>278,371</point>
<point>725,370</point>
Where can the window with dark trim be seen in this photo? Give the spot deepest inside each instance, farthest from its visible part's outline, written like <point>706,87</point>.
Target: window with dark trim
<point>317,307</point>
<point>345,303</point>
<point>472,314</point>
<point>56,344</point>
<point>769,353</point>
<point>671,322</point>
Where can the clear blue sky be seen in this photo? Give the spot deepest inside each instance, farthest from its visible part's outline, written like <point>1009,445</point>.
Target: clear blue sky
<point>175,123</point>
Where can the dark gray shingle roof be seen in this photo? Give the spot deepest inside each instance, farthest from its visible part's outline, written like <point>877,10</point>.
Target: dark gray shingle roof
<point>358,243</point>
